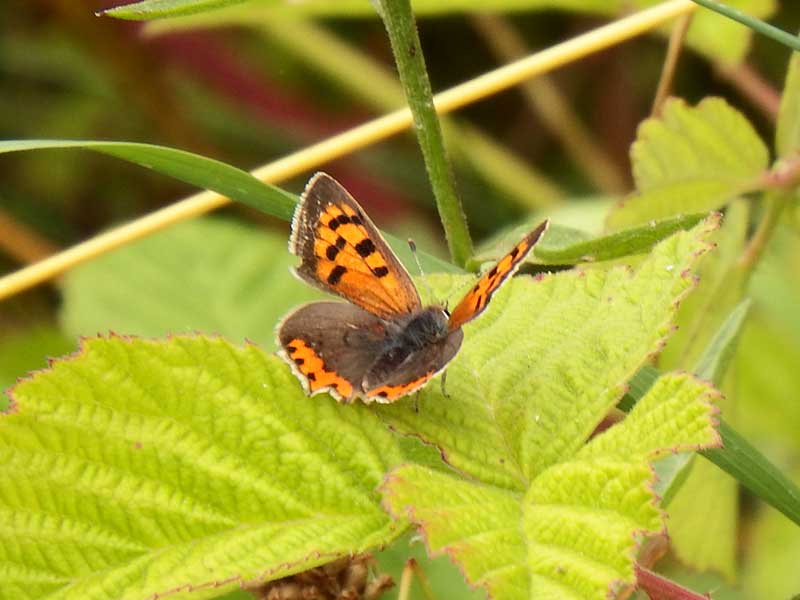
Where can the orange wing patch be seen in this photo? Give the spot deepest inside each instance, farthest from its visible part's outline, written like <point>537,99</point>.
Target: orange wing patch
<point>343,252</point>
<point>350,262</point>
<point>390,393</point>
<point>476,300</point>
<point>313,369</point>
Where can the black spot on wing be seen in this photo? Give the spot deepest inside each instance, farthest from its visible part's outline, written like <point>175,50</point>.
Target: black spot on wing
<point>331,252</point>
<point>380,272</point>
<point>335,222</point>
<point>336,274</point>
<point>365,247</point>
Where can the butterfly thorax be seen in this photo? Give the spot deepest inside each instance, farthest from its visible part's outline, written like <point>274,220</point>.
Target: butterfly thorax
<point>422,328</point>
<point>415,341</point>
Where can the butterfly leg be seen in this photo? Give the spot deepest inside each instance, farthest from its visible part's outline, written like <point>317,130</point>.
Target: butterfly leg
<point>416,402</point>
<point>442,381</point>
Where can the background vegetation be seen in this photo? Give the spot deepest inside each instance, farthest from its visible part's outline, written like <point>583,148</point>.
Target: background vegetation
<point>250,84</point>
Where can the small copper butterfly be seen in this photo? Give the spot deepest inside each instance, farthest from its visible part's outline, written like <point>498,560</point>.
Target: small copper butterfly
<point>382,344</point>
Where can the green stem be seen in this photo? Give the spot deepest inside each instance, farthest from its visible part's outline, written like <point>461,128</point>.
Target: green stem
<point>755,24</point>
<point>399,22</point>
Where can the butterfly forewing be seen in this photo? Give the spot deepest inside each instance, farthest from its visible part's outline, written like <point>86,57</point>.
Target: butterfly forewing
<point>477,299</point>
<point>343,252</point>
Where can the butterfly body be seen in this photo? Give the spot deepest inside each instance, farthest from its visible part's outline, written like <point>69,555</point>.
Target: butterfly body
<point>382,344</point>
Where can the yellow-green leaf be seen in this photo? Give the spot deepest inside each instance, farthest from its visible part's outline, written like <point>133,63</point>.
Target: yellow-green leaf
<point>689,160</point>
<point>138,468</point>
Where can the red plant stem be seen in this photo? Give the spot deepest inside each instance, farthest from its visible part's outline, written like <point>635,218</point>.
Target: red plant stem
<point>660,588</point>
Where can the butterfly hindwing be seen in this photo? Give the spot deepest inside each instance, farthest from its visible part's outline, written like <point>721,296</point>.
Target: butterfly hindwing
<point>477,299</point>
<point>398,374</point>
<point>331,346</point>
<point>343,252</point>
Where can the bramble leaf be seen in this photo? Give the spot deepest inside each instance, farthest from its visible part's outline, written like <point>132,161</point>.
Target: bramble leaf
<point>141,468</point>
<point>552,355</point>
<point>542,513</point>
<point>690,160</point>
<point>573,533</point>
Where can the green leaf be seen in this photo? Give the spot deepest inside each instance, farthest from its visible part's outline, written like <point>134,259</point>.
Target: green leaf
<point>589,333</point>
<point>205,275</point>
<point>690,160</point>
<point>211,174</point>
<point>767,379</point>
<point>138,468</point>
<point>787,132</point>
<point>674,470</point>
<point>562,245</point>
<point>737,457</point>
<point>519,411</point>
<point>671,417</point>
<point>574,531</point>
<point>191,168</point>
<point>722,39</point>
<point>747,465</point>
<point>155,9</point>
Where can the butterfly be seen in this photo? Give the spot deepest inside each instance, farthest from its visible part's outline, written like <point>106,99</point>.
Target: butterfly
<point>381,344</point>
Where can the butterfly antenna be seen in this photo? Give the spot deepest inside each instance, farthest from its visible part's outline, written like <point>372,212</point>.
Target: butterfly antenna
<point>428,288</point>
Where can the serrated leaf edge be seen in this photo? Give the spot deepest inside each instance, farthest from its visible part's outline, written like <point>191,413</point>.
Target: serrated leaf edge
<point>409,513</point>
<point>309,561</point>
<point>83,348</point>
<point>710,223</point>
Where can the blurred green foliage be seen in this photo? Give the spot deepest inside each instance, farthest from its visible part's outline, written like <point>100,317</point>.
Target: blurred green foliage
<point>245,95</point>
